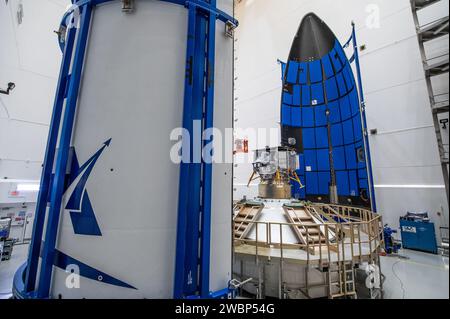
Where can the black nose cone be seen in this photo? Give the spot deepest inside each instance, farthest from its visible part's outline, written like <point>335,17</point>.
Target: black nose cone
<point>314,39</point>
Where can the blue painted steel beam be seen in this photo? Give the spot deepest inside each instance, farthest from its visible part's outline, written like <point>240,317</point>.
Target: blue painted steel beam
<point>195,180</point>
<point>188,239</point>
<point>48,253</point>
<point>364,120</point>
<point>183,196</point>
<point>42,200</point>
<point>196,175</point>
<point>207,171</point>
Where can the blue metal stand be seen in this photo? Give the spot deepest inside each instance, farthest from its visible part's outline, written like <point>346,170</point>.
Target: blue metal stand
<point>195,179</point>
<point>57,190</point>
<point>355,58</point>
<point>42,200</point>
<point>192,269</point>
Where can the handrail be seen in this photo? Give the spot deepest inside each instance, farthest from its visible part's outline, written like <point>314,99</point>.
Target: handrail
<point>353,242</point>
<point>373,239</point>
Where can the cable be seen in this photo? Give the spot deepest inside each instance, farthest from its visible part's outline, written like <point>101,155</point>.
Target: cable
<point>383,278</point>
<point>6,109</point>
<point>401,282</point>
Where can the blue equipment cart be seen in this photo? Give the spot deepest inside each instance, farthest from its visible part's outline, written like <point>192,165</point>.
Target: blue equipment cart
<point>418,233</point>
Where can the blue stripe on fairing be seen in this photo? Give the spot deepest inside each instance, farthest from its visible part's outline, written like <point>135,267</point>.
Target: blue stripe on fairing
<point>62,261</point>
<point>82,214</point>
<point>75,199</point>
<point>84,222</point>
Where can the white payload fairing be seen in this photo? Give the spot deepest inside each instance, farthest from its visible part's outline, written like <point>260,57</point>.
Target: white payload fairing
<point>109,200</point>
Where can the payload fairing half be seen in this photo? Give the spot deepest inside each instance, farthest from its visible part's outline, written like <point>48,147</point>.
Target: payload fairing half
<point>321,118</point>
<point>112,206</point>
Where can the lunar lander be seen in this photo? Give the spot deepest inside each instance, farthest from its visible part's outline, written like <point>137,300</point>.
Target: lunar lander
<point>297,249</point>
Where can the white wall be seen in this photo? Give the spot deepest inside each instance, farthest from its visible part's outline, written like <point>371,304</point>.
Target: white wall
<point>29,57</point>
<point>405,155</point>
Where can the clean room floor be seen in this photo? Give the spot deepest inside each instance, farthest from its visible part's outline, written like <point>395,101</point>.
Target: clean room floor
<point>416,276</point>
<point>419,276</point>
<point>8,269</point>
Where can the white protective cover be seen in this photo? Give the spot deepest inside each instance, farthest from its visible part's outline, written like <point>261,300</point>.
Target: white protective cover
<point>132,92</point>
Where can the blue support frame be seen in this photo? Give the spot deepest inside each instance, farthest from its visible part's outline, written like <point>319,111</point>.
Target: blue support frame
<point>194,211</point>
<point>63,155</point>
<point>364,119</point>
<point>186,270</point>
<point>42,200</point>
<point>185,167</point>
<point>207,187</point>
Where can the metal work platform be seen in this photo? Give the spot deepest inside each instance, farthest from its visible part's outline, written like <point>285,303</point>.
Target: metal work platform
<point>326,243</point>
<point>434,66</point>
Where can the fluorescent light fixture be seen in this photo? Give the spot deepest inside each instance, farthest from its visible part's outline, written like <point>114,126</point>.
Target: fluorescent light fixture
<point>27,187</point>
<point>19,181</point>
<point>409,186</point>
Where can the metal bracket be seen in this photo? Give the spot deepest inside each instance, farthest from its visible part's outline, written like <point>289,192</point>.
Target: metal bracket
<point>127,6</point>
<point>61,33</point>
<point>363,105</point>
<point>229,29</point>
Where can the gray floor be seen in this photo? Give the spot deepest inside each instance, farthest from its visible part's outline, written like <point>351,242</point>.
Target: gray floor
<point>8,269</point>
<point>420,276</point>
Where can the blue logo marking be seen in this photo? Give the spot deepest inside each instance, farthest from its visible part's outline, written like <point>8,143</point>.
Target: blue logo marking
<point>62,261</point>
<point>79,204</point>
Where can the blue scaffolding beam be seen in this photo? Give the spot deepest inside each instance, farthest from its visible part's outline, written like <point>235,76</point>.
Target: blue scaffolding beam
<point>355,58</point>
